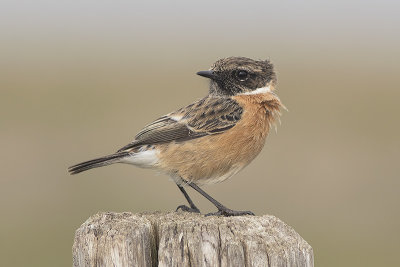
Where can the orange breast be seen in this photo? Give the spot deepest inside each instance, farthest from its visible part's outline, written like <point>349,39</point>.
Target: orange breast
<point>215,158</point>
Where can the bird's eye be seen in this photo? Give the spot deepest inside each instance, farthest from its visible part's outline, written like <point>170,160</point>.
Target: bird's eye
<point>242,75</point>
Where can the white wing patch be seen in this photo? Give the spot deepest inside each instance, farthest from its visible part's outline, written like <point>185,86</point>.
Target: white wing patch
<point>176,117</point>
<point>144,159</point>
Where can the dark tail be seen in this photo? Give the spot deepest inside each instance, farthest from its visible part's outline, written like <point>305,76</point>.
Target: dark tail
<point>95,163</point>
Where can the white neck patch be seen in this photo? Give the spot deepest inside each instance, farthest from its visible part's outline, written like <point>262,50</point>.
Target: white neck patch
<point>261,90</point>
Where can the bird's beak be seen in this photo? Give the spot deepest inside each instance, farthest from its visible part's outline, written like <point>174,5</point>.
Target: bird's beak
<point>208,74</point>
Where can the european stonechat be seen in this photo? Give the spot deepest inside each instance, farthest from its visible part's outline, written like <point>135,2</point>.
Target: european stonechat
<point>211,139</point>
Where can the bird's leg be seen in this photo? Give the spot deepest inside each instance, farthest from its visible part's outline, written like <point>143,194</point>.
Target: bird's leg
<point>192,208</point>
<point>222,210</point>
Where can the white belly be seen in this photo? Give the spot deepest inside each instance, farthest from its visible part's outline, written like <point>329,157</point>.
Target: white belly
<point>144,159</point>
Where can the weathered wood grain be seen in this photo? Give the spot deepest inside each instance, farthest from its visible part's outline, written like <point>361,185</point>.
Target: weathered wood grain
<point>185,239</point>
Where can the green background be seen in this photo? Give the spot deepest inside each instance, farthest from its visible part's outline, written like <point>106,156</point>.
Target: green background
<point>78,79</point>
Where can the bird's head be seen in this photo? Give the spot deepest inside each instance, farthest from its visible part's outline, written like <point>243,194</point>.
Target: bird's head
<point>239,75</point>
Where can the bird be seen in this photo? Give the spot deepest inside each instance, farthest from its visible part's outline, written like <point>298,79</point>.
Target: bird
<point>211,139</point>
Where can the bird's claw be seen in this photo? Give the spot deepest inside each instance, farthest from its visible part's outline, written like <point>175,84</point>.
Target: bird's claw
<point>229,212</point>
<point>187,209</point>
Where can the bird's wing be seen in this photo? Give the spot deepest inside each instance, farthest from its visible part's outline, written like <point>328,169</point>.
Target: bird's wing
<point>210,115</point>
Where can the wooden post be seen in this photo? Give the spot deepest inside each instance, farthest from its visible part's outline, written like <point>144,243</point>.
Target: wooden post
<point>187,239</point>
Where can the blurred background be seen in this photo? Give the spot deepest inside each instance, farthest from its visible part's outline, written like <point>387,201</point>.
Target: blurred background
<point>78,79</point>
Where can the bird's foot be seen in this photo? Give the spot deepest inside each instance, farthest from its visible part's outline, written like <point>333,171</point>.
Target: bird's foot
<point>193,209</point>
<point>228,212</point>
